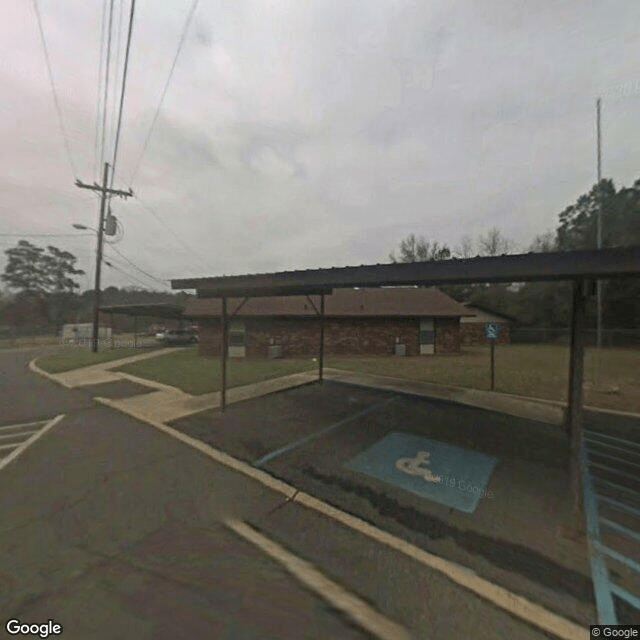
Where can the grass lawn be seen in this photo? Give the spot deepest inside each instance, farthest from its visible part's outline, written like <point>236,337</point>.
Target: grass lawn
<point>539,371</point>
<point>74,357</point>
<point>196,375</point>
<point>28,341</point>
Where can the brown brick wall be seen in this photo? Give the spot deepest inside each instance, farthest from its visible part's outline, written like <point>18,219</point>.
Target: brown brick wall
<point>447,335</point>
<point>209,338</point>
<point>472,333</point>
<point>343,336</point>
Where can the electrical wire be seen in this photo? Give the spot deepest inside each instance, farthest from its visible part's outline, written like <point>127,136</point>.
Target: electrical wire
<point>150,210</point>
<point>135,266</point>
<point>166,86</point>
<point>122,92</point>
<point>45,235</point>
<point>106,85</point>
<point>99,92</point>
<point>63,130</point>
<point>117,63</point>
<point>125,273</point>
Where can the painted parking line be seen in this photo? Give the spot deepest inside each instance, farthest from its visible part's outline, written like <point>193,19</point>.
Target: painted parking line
<point>13,435</point>
<point>359,612</point>
<point>9,436</point>
<point>452,476</point>
<point>536,615</point>
<point>296,443</point>
<point>17,447</point>
<point>12,427</point>
<point>605,580</point>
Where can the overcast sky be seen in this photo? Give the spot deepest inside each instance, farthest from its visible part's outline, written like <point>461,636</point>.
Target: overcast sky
<point>315,133</point>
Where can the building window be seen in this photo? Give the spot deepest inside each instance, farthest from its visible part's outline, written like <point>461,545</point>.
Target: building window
<point>427,337</point>
<point>237,339</point>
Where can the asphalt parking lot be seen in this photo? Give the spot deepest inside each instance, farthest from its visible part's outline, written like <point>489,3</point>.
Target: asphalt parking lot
<point>310,437</point>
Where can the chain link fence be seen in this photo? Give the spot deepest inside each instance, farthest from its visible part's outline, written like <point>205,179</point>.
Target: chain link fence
<point>611,338</point>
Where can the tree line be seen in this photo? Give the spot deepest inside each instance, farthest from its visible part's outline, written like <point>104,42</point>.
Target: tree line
<point>43,293</point>
<point>547,304</point>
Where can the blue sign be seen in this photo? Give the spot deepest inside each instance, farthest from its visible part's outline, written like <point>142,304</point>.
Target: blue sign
<point>434,470</point>
<point>491,330</point>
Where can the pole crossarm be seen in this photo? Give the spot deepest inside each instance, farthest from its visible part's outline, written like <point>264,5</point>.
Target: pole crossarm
<point>104,190</point>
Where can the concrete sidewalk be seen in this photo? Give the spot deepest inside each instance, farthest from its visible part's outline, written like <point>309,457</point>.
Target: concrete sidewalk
<point>96,373</point>
<point>171,404</point>
<point>521,407</point>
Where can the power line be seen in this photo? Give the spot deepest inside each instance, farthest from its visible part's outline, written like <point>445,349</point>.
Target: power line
<point>106,84</point>
<point>54,92</point>
<point>166,86</point>
<point>148,208</point>
<point>146,286</point>
<point>135,266</point>
<point>99,92</point>
<point>45,235</point>
<point>117,64</point>
<point>122,93</point>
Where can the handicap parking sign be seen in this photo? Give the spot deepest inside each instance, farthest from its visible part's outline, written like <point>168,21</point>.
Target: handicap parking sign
<point>491,330</point>
<point>446,474</point>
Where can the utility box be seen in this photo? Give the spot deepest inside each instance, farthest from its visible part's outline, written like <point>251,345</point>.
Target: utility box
<point>275,351</point>
<point>401,349</point>
<point>80,333</point>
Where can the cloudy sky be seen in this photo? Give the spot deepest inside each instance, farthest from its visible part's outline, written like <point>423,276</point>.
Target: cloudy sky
<point>313,134</point>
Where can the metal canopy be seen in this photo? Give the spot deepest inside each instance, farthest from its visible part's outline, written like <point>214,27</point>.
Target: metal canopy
<point>566,265</point>
<point>156,309</point>
<point>583,267</point>
<point>263,292</point>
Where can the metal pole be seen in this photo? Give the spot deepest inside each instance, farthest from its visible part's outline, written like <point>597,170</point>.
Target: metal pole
<point>112,331</point>
<point>135,331</point>
<point>599,223</point>
<point>223,395</point>
<point>96,298</point>
<point>574,407</point>
<point>321,358</point>
<point>493,363</point>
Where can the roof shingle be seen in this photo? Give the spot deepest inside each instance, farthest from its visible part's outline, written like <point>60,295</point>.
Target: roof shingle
<point>385,301</point>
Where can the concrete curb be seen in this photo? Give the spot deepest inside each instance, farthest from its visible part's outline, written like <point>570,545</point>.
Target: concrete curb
<point>455,389</point>
<point>149,383</point>
<point>514,604</point>
<point>45,374</point>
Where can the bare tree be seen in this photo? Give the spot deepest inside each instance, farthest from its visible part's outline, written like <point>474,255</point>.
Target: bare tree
<point>419,249</point>
<point>494,243</point>
<point>544,243</point>
<point>465,248</point>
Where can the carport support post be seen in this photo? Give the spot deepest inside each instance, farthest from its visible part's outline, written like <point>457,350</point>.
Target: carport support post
<point>321,358</point>
<point>574,415</point>
<point>223,392</point>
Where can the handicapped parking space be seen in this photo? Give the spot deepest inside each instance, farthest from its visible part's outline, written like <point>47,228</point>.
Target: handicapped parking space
<point>256,428</point>
<point>484,489</point>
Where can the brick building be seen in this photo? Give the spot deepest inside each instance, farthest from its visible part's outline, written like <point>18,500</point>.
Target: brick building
<point>376,321</point>
<point>472,327</point>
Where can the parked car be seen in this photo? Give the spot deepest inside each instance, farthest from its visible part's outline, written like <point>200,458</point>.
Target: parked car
<point>177,337</point>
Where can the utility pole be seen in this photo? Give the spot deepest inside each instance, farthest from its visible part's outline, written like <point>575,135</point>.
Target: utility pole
<point>106,193</point>
<point>599,230</point>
